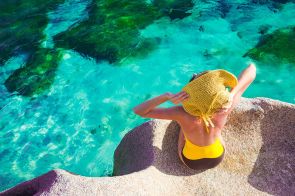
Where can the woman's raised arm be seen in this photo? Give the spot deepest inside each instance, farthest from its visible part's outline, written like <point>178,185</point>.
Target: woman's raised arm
<point>148,108</point>
<point>148,105</point>
<point>245,79</point>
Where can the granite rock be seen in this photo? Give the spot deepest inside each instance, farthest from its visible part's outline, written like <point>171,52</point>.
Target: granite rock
<point>259,160</point>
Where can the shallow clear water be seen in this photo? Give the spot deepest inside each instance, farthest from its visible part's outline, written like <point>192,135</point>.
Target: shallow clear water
<point>77,124</point>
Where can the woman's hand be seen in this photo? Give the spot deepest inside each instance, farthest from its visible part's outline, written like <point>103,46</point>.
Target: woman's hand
<point>178,97</point>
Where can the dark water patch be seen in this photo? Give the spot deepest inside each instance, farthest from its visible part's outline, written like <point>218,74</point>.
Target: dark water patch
<point>174,9</point>
<point>278,45</point>
<point>4,154</point>
<point>214,9</point>
<point>112,30</point>
<point>6,181</point>
<point>274,5</point>
<point>240,16</point>
<point>22,25</point>
<point>46,140</point>
<point>37,75</point>
<point>93,131</point>
<point>272,1</point>
<point>111,33</point>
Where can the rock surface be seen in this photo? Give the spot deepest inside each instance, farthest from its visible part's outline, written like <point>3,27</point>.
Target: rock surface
<point>259,160</point>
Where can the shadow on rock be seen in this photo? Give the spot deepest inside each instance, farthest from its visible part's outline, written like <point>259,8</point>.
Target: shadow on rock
<point>33,186</point>
<point>137,152</point>
<point>274,169</point>
<point>168,160</point>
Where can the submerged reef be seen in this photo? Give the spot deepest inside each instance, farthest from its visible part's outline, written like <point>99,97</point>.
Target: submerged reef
<point>112,31</point>
<point>279,44</point>
<point>22,25</point>
<point>21,32</point>
<point>37,75</point>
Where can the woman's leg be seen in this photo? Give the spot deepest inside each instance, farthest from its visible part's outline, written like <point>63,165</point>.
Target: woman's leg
<point>181,143</point>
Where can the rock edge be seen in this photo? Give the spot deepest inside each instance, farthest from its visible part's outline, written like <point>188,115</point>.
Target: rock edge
<point>259,160</point>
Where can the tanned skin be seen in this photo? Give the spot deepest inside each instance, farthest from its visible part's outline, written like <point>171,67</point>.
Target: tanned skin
<point>193,127</point>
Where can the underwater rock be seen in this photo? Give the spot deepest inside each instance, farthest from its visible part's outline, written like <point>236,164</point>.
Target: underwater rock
<point>259,160</point>
<point>279,44</point>
<point>21,32</point>
<point>112,30</point>
<point>37,75</point>
<point>22,25</point>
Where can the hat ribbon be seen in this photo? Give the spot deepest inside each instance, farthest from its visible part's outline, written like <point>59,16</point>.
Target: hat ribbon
<point>207,117</point>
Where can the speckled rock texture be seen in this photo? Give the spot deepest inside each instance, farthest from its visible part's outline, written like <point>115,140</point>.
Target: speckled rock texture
<point>259,160</point>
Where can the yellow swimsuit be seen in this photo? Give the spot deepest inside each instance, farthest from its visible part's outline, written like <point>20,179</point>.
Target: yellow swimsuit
<point>202,157</point>
<point>193,152</point>
<point>207,94</point>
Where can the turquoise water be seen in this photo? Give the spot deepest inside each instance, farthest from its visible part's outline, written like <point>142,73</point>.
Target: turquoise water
<point>77,123</point>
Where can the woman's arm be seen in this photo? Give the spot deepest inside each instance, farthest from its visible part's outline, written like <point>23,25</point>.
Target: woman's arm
<point>148,108</point>
<point>245,79</point>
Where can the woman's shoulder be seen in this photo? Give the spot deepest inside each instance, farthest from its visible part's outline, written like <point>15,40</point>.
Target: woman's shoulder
<point>219,120</point>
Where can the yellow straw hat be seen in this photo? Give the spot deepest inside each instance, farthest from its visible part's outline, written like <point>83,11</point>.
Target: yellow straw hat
<point>208,93</point>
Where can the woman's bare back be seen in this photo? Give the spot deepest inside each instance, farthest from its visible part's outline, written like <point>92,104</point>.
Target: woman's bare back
<point>194,128</point>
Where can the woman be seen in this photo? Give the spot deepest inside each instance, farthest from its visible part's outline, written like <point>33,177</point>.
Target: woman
<point>206,104</point>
